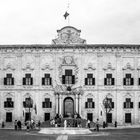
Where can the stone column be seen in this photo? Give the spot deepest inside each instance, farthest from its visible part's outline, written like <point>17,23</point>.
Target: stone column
<point>76,103</point>
<point>60,104</point>
<point>57,103</point>
<point>79,104</point>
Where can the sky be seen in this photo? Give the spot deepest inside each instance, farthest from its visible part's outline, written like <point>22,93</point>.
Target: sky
<point>100,21</point>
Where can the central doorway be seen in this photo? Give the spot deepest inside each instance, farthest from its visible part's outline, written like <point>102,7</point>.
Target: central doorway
<point>68,107</point>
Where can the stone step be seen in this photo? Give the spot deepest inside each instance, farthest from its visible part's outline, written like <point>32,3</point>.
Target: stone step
<point>67,130</point>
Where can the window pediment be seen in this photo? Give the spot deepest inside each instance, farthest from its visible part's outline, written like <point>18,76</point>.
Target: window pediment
<point>128,67</point>
<point>28,67</point>
<point>9,67</point>
<point>89,67</point>
<point>46,67</point>
<point>109,67</point>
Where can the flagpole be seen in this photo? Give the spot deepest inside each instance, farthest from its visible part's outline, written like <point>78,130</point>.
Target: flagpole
<point>68,7</point>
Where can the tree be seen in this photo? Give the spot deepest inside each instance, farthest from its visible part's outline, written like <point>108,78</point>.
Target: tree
<point>108,107</point>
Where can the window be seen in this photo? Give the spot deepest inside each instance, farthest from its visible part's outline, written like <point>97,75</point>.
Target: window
<point>89,103</point>
<point>27,116</point>
<point>28,103</point>
<point>89,80</point>
<point>28,80</point>
<point>90,116</point>
<point>128,80</point>
<point>139,81</point>
<point>68,78</point>
<point>112,103</point>
<point>108,81</point>
<point>46,80</point>
<point>8,116</point>
<point>9,80</point>
<point>9,103</point>
<point>109,117</point>
<point>139,105</point>
<point>47,103</point>
<point>128,103</point>
<point>127,117</point>
<point>46,116</point>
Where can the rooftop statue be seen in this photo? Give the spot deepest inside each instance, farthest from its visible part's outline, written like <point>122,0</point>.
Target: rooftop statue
<point>68,35</point>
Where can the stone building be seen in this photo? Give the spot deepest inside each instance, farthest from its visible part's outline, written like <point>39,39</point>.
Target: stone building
<point>70,77</point>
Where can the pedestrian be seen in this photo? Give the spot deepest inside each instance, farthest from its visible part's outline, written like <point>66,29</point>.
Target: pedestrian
<point>104,124</point>
<point>65,123</point>
<point>88,123</point>
<point>97,125</point>
<point>28,126</point>
<point>19,124</point>
<point>3,125</point>
<point>115,124</point>
<point>15,124</point>
<point>39,123</point>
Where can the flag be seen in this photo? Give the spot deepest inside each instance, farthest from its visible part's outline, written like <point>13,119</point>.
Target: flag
<point>66,15</point>
<point>35,109</point>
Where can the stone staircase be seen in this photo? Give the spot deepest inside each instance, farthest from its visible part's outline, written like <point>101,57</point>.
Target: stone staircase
<point>71,122</point>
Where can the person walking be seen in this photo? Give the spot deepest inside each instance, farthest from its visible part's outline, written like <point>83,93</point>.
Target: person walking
<point>15,124</point>
<point>39,124</point>
<point>97,125</point>
<point>88,123</point>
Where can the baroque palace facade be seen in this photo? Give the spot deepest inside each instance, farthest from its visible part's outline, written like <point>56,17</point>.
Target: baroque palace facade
<point>69,77</point>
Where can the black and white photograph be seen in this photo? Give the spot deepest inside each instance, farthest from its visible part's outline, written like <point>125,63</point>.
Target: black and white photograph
<point>69,69</point>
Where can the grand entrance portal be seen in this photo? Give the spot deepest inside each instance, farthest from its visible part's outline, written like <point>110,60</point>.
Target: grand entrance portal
<point>68,107</point>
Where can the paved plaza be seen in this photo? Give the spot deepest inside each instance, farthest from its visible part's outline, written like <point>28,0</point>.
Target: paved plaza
<point>115,134</point>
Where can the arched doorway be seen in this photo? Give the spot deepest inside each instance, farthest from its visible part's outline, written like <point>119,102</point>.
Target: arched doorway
<point>68,107</point>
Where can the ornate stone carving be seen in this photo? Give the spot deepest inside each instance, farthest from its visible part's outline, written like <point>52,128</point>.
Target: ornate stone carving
<point>90,95</point>
<point>46,67</point>
<point>68,35</point>
<point>47,95</point>
<point>68,62</point>
<point>128,95</point>
<point>28,67</point>
<point>128,67</point>
<point>109,67</point>
<point>9,67</point>
<point>89,67</point>
<point>109,95</point>
<point>8,94</point>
